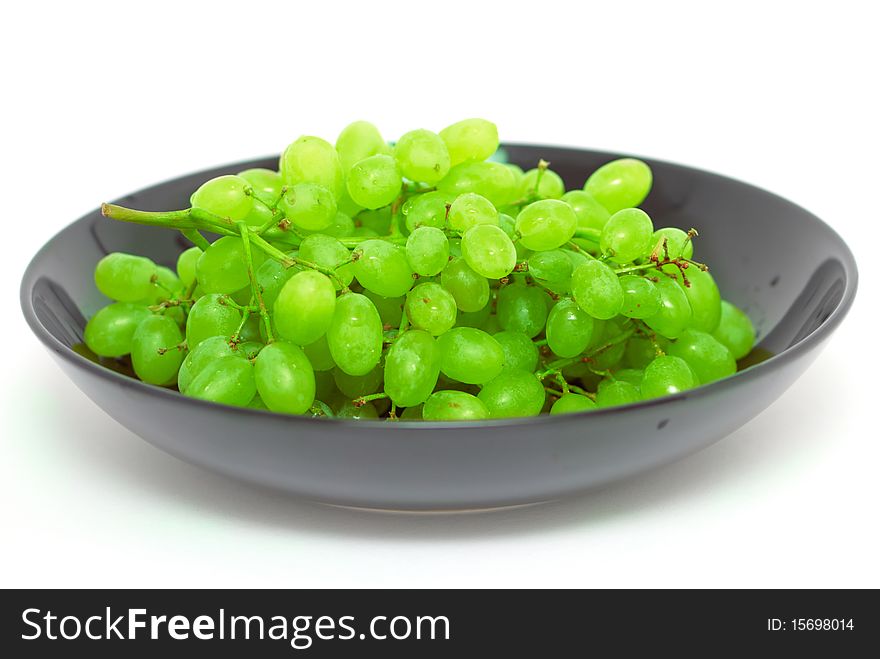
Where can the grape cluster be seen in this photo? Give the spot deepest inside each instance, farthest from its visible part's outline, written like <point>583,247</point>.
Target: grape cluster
<point>425,279</point>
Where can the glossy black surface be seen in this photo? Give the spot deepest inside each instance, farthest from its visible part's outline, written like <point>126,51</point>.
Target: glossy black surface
<point>792,273</point>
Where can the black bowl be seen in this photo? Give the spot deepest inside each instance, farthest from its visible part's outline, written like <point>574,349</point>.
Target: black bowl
<point>795,277</point>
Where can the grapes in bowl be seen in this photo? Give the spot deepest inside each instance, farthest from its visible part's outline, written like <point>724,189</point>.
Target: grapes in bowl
<point>438,323</point>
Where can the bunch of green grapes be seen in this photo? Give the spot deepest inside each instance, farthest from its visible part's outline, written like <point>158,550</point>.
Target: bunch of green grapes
<point>424,280</point>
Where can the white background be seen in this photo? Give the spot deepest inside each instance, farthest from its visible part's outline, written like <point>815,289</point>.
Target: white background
<point>103,99</point>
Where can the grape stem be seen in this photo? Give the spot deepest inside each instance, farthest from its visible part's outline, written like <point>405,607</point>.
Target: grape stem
<point>556,366</point>
<point>189,218</point>
<point>321,409</point>
<point>363,400</point>
<point>354,241</point>
<point>536,282</point>
<point>656,263</point>
<point>235,339</point>
<point>287,261</point>
<point>255,287</point>
<point>196,238</point>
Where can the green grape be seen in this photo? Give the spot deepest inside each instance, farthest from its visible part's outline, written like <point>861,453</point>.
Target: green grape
<point>677,243</point>
<point>411,368</point>
<point>375,181</point>
<point>570,403</point>
<point>617,392</point>
<point>631,375</point>
<point>491,325</point>
<point>665,376</point>
<point>328,252</point>
<point>379,220</point>
<point>325,386</point>
<point>470,209</point>
<point>522,309</point>
<point>639,352</point>
<point>312,160</point>
<point>186,265</point>
<point>427,251</point>
<point>597,290</point>
<point>708,358</point>
<point>735,330</point>
<point>261,215</point>
<point>546,224</point>
<point>473,318</point>
<point>675,310</point>
<point>205,353</point>
<point>431,307</point>
<point>341,227</point>
<point>309,206</point>
<point>488,251</point>
<point>549,186</point>
<point>590,213</point>
<point>355,386</point>
<point>390,308</point>
<point>444,382</point>
<point>348,410</point>
<point>228,380</point>
<point>703,296</point>
<point>455,248</point>
<point>411,414</point>
<point>447,405</point>
<point>426,210</point>
<point>577,258</point>
<point>304,307</point>
<point>551,266</point>
<point>627,235</point>
<point>251,349</point>
<point>640,297</point>
<point>109,332</point>
<point>610,357</point>
<point>492,180</point>
<point>422,156</point>
<point>470,139</point>
<point>357,141</point>
<point>513,393</point>
<point>346,205</point>
<point>155,356</point>
<point>520,352</point>
<point>620,184</point>
<point>210,316</point>
<point>271,277</point>
<point>166,285</point>
<point>125,277</point>
<point>383,268</point>
<point>508,225</point>
<point>470,355</point>
<point>569,328</point>
<point>227,196</point>
<point>266,184</point>
<point>222,268</point>
<point>257,403</point>
<point>517,172</point>
<point>355,335</point>
<point>319,355</point>
<point>284,378</point>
